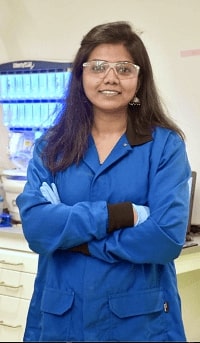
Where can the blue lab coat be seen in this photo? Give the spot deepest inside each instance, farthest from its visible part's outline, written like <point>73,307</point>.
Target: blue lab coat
<point>126,290</point>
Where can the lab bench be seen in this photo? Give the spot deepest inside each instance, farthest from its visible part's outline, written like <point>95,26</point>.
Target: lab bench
<point>188,274</point>
<point>18,267</point>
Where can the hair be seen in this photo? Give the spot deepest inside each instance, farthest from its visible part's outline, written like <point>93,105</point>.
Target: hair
<point>67,141</point>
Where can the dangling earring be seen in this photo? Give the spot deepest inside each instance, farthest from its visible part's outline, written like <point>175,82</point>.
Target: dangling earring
<point>135,101</point>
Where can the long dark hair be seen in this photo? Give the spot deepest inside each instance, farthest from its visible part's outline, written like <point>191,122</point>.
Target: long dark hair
<point>66,142</point>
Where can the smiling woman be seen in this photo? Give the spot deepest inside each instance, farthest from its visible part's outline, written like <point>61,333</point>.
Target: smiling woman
<point>105,183</point>
<point>110,82</point>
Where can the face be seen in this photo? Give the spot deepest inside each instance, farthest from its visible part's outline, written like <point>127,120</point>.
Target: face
<point>109,93</point>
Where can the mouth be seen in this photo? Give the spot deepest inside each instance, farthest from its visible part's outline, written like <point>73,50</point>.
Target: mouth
<point>109,92</point>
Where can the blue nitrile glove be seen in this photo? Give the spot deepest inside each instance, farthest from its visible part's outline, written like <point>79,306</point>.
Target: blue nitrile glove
<point>50,193</point>
<point>142,212</point>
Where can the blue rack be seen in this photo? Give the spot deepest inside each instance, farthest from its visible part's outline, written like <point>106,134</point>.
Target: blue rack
<point>31,93</point>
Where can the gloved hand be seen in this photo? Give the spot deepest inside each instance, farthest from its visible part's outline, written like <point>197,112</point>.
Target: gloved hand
<point>50,193</point>
<point>142,213</point>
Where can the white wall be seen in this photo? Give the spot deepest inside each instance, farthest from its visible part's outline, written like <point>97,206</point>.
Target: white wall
<point>52,30</point>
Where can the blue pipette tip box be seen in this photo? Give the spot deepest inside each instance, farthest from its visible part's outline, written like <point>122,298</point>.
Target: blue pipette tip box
<point>5,220</point>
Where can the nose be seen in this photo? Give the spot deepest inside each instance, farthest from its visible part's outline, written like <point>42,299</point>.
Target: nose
<point>111,76</point>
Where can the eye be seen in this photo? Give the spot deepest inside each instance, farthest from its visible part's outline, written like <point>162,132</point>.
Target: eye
<point>124,68</point>
<point>98,67</point>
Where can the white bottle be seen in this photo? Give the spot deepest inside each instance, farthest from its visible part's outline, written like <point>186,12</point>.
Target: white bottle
<point>1,198</point>
<point>1,204</point>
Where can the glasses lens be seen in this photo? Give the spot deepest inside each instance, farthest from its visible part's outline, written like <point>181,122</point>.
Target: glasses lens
<point>98,67</point>
<point>126,70</point>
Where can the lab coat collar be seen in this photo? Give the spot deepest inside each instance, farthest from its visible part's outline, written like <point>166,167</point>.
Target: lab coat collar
<point>135,138</point>
<point>125,144</point>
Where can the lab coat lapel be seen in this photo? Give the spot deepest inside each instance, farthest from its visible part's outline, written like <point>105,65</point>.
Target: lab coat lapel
<point>91,157</point>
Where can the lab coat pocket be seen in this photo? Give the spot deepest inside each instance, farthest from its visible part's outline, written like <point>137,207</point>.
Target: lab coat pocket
<point>56,314</point>
<point>138,314</point>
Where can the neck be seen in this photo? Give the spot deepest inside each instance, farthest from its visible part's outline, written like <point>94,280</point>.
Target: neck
<point>107,124</point>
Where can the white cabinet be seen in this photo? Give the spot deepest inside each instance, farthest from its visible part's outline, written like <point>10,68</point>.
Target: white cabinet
<point>188,274</point>
<point>18,265</point>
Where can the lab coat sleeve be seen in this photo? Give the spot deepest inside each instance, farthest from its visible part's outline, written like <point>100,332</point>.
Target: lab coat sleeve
<point>161,237</point>
<point>47,226</point>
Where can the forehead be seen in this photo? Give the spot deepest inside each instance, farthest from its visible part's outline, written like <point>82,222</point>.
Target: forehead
<point>110,53</point>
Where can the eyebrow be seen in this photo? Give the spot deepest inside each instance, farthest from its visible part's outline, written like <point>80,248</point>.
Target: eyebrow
<point>97,59</point>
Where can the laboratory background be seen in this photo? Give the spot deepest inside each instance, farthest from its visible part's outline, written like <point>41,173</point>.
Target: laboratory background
<point>38,41</point>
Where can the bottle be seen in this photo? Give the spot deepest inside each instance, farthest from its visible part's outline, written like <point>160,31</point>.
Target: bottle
<point>1,198</point>
<point>1,205</point>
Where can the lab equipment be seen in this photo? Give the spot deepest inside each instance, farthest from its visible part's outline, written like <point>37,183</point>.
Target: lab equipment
<point>31,96</point>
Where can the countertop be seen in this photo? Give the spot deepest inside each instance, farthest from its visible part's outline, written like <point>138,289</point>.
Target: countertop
<point>189,258</point>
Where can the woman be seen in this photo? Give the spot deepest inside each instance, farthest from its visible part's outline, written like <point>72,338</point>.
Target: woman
<point>106,267</point>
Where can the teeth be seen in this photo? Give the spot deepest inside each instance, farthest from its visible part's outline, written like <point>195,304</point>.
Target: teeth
<point>109,92</point>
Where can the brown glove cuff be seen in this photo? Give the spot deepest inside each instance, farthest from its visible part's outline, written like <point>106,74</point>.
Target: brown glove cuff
<point>120,216</point>
<point>82,248</point>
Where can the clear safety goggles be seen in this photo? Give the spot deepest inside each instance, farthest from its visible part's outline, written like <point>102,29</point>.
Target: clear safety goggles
<point>124,70</point>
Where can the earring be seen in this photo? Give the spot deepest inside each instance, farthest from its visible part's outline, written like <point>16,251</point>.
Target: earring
<point>135,101</point>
